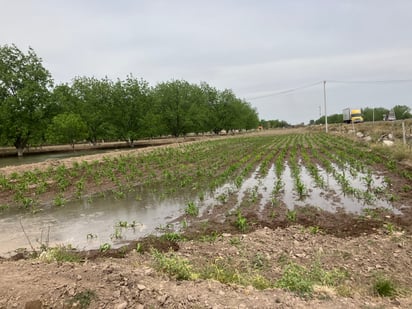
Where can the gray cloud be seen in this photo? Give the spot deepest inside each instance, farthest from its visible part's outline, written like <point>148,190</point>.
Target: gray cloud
<point>252,47</point>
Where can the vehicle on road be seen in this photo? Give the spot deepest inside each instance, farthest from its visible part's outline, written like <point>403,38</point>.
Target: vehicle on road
<point>352,115</point>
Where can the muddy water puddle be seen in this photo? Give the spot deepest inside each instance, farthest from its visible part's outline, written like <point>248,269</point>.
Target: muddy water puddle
<point>332,198</point>
<point>86,224</point>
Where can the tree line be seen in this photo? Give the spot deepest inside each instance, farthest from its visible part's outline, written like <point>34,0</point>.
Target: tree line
<point>34,111</point>
<point>370,114</point>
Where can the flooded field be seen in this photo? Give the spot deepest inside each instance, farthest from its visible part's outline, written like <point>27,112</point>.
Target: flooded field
<point>237,216</point>
<point>276,178</point>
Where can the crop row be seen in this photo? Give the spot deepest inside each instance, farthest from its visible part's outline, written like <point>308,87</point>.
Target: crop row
<point>208,165</point>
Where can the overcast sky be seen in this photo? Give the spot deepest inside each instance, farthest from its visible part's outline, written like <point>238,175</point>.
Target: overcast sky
<point>253,47</point>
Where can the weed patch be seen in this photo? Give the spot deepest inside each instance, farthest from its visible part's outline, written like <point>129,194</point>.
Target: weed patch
<point>172,265</point>
<point>82,299</point>
<point>383,286</point>
<point>299,279</point>
<point>59,254</point>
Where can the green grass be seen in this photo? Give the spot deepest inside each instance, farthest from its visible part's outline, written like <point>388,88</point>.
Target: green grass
<point>105,247</point>
<point>241,222</point>
<point>225,271</point>
<point>384,287</point>
<point>291,215</point>
<point>172,236</point>
<point>59,254</point>
<point>82,299</point>
<point>192,209</point>
<point>301,280</point>
<point>174,266</point>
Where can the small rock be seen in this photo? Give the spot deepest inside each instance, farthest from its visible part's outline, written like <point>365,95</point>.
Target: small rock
<point>34,304</point>
<point>116,294</point>
<point>141,287</point>
<point>79,277</point>
<point>71,292</point>
<point>388,143</point>
<point>162,298</point>
<point>359,134</point>
<point>367,139</point>
<point>122,305</point>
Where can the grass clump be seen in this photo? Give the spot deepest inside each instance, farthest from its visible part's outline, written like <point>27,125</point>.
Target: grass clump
<point>384,287</point>
<point>172,265</point>
<point>59,254</point>
<point>172,236</point>
<point>299,279</point>
<point>224,271</point>
<point>82,299</point>
<point>192,209</point>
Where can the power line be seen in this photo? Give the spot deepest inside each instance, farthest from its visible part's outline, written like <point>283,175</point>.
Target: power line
<point>280,92</point>
<point>285,91</point>
<point>388,81</point>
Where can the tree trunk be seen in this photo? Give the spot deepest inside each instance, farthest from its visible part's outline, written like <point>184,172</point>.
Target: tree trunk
<point>130,142</point>
<point>20,143</point>
<point>20,151</point>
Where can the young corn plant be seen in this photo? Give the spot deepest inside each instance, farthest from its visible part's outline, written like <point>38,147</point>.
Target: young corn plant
<point>241,222</point>
<point>192,209</point>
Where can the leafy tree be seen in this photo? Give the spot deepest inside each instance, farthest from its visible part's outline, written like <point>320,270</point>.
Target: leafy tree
<point>402,112</point>
<point>67,128</point>
<point>374,114</point>
<point>172,98</point>
<point>211,97</point>
<point>334,118</point>
<point>249,116</point>
<point>63,100</point>
<point>127,108</point>
<point>93,104</point>
<point>272,124</point>
<point>24,97</point>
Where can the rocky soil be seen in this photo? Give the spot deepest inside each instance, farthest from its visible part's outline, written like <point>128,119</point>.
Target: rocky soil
<point>133,282</point>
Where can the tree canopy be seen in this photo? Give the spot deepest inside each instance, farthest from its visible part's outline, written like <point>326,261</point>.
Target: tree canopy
<point>33,111</point>
<point>370,114</point>
<point>24,97</point>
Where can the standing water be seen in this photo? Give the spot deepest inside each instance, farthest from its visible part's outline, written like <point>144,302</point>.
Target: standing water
<point>88,225</point>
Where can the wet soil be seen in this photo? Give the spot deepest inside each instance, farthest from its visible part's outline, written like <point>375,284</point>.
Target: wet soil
<point>365,247</point>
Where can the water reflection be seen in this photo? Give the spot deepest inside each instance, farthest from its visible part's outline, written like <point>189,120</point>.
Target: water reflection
<point>72,223</point>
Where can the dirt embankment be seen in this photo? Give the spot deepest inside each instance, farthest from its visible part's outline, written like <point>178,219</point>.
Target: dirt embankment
<point>132,282</point>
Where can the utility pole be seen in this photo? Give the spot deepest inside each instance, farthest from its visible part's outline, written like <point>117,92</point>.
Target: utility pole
<point>324,102</point>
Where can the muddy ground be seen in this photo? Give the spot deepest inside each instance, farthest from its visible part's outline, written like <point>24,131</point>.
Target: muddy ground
<point>132,282</point>
<point>364,248</point>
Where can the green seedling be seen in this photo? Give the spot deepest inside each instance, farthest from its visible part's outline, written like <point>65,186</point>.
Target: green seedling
<point>241,222</point>
<point>192,209</point>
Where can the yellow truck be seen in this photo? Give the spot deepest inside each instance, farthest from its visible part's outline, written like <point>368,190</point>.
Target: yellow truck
<point>352,115</point>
